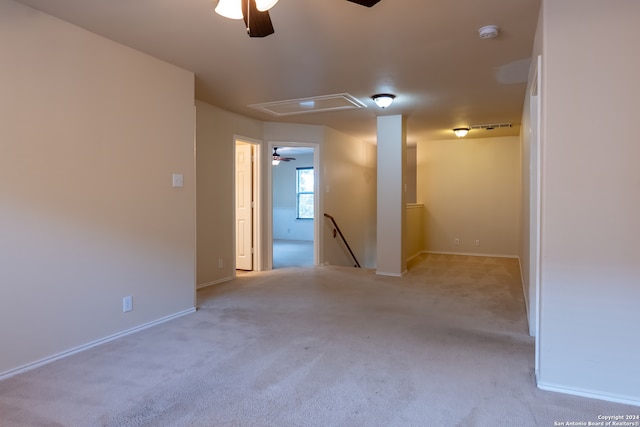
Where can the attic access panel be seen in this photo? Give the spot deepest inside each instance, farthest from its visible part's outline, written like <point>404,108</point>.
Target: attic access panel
<point>316,104</point>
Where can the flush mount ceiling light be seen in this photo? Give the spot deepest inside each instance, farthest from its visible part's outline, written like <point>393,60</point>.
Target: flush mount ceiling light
<point>383,100</point>
<point>460,132</point>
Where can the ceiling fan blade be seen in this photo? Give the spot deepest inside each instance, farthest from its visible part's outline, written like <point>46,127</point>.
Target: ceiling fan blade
<point>258,23</point>
<point>367,3</point>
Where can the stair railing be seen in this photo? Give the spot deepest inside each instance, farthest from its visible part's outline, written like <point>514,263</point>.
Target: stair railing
<point>336,228</point>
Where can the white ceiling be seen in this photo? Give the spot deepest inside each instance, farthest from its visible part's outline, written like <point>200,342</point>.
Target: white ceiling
<point>427,53</point>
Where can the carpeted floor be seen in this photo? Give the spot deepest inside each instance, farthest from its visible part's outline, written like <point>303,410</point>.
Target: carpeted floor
<point>446,345</point>
<point>292,253</point>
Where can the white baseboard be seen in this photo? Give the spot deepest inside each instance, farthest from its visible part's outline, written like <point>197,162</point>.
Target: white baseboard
<point>471,254</point>
<point>382,273</point>
<point>33,365</point>
<point>591,394</point>
<point>215,282</point>
<point>526,300</point>
<point>417,254</point>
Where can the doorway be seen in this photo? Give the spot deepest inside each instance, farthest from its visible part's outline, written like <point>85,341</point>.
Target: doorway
<point>246,205</point>
<point>295,205</point>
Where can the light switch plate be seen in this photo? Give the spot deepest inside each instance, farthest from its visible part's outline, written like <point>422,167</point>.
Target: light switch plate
<point>178,180</point>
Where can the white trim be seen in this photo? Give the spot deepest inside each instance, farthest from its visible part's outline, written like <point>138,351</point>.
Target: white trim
<point>215,282</point>
<point>537,267</point>
<point>526,298</point>
<point>195,203</point>
<point>591,394</point>
<point>38,363</point>
<point>382,273</point>
<point>472,254</point>
<point>417,254</point>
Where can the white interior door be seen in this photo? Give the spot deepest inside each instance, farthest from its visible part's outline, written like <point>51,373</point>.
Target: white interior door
<point>244,208</point>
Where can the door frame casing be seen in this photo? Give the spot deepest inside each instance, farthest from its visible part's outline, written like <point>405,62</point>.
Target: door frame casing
<point>535,241</point>
<point>317,208</point>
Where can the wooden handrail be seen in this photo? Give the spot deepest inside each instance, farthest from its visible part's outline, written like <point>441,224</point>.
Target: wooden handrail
<point>343,239</point>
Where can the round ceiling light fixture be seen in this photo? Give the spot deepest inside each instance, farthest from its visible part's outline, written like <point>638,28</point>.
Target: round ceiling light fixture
<point>489,32</point>
<point>383,100</point>
<point>460,132</point>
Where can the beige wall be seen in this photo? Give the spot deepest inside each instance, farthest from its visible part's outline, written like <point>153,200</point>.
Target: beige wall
<point>347,191</point>
<point>471,191</point>
<point>215,132</point>
<point>349,180</point>
<point>591,210</point>
<point>414,232</point>
<point>90,134</point>
<point>347,166</point>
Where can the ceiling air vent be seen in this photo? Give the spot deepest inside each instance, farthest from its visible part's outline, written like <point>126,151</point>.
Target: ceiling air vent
<point>491,126</point>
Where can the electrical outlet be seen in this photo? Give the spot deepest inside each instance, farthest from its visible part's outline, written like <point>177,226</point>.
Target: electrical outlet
<point>220,263</point>
<point>456,241</point>
<point>127,304</point>
<point>477,242</point>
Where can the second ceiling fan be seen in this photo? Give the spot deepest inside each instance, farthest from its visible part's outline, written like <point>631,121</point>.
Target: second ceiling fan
<point>278,158</point>
<point>256,13</point>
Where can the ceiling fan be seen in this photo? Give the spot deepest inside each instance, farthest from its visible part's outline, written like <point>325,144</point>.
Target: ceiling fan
<point>256,13</point>
<point>277,158</point>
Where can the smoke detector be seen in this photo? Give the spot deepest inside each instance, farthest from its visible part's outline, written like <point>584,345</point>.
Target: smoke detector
<point>489,32</point>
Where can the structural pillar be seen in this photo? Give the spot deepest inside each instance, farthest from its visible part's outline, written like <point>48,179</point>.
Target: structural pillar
<point>391,211</point>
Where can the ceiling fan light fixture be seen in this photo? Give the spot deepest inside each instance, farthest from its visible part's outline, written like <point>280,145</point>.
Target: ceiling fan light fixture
<point>231,9</point>
<point>264,5</point>
<point>383,100</point>
<point>275,162</point>
<point>461,132</point>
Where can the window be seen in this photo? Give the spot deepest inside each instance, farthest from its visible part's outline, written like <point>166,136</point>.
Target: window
<point>304,192</point>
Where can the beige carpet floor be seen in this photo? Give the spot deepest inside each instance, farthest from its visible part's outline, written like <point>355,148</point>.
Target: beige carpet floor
<point>292,253</point>
<point>446,345</point>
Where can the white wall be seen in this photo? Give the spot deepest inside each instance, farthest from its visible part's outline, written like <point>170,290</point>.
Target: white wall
<point>90,134</point>
<point>286,225</point>
<point>215,130</point>
<point>589,335</point>
<point>471,190</point>
<point>391,213</point>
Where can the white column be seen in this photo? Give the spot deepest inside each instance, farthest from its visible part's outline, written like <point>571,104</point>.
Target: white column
<point>391,197</point>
